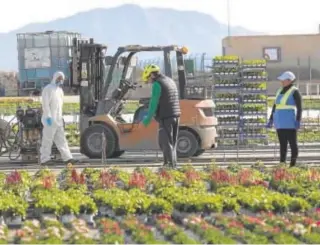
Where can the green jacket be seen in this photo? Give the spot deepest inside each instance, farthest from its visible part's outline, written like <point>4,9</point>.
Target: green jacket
<point>153,106</point>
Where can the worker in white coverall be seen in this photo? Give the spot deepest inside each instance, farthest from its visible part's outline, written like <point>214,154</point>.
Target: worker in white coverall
<point>52,120</point>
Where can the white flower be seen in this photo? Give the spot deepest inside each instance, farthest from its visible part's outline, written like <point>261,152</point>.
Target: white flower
<point>299,226</point>
<point>303,231</point>
<point>35,223</point>
<point>28,229</point>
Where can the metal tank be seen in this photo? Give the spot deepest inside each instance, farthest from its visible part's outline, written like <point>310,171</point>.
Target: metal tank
<point>40,54</point>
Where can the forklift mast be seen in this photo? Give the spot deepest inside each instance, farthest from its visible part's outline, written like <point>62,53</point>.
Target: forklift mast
<point>88,74</point>
<point>104,105</point>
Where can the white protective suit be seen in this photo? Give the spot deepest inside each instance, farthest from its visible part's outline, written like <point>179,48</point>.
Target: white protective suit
<point>52,102</point>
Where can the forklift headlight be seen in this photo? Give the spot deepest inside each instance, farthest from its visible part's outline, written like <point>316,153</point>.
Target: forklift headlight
<point>184,50</point>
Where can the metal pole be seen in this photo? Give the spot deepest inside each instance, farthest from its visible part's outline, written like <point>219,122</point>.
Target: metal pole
<point>298,75</point>
<point>103,149</point>
<point>228,14</point>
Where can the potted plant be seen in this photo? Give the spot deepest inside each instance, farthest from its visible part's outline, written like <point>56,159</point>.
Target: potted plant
<point>173,232</point>
<point>137,180</point>
<point>87,206</point>
<point>69,206</point>
<point>106,180</point>
<point>71,179</point>
<point>110,232</point>
<point>44,179</point>
<point>4,234</point>
<point>159,205</point>
<point>80,233</point>
<point>47,202</point>
<point>53,232</point>
<point>51,235</point>
<point>116,200</point>
<point>28,234</point>
<point>13,208</point>
<point>140,233</point>
<point>17,182</point>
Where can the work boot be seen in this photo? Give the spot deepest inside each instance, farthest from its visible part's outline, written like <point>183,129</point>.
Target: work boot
<point>292,164</point>
<point>165,165</point>
<point>71,161</point>
<point>174,166</point>
<point>169,165</point>
<point>49,162</point>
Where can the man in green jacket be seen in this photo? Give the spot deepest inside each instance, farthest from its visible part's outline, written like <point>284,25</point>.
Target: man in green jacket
<point>164,107</point>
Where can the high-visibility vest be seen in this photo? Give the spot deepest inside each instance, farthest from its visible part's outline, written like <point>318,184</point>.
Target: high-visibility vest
<point>282,105</point>
<point>284,115</point>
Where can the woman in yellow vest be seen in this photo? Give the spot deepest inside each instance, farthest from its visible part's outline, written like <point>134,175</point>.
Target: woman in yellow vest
<point>286,116</point>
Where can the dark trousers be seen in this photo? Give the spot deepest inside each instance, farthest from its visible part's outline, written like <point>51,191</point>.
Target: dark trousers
<point>167,137</point>
<point>286,136</point>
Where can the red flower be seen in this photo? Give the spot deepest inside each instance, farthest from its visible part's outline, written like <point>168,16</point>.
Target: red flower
<point>48,182</point>
<point>164,217</point>
<point>165,174</point>
<point>77,178</point>
<point>14,178</point>
<point>318,223</point>
<point>137,180</point>
<point>107,179</point>
<point>244,176</point>
<point>282,174</point>
<point>220,176</point>
<point>308,221</point>
<point>20,233</point>
<point>192,175</point>
<point>235,224</point>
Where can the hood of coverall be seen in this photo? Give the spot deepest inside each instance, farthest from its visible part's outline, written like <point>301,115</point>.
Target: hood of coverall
<point>56,75</point>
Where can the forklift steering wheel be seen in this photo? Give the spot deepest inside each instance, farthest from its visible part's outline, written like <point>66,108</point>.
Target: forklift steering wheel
<point>128,84</point>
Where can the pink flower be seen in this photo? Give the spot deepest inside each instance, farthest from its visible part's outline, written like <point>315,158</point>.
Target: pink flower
<point>317,210</point>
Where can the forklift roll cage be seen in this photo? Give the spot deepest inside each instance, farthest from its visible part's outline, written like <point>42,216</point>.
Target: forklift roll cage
<point>133,49</point>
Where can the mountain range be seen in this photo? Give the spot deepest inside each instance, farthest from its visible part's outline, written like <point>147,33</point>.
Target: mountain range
<point>132,24</point>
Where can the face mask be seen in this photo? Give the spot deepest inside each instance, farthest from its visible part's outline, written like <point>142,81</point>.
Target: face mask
<point>59,83</point>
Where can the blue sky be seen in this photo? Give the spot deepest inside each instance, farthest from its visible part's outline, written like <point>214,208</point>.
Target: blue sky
<point>269,16</point>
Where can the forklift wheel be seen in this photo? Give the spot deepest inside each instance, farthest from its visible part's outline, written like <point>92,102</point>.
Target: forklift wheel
<point>199,152</point>
<point>117,154</point>
<point>91,141</point>
<point>187,144</point>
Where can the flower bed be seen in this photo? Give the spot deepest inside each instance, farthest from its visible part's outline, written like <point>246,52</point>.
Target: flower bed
<point>186,206</point>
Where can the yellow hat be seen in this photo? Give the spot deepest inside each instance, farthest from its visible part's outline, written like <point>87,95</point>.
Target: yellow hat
<point>148,70</point>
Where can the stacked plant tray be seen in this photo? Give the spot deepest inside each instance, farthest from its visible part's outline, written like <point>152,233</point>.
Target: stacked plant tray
<point>226,97</point>
<point>253,102</point>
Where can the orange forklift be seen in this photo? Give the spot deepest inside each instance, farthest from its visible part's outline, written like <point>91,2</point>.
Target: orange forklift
<point>103,92</point>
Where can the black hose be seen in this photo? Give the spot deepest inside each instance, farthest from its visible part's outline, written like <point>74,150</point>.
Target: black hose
<point>5,139</point>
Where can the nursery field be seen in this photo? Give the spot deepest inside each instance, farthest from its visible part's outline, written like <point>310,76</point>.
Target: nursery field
<point>8,105</point>
<point>213,206</point>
